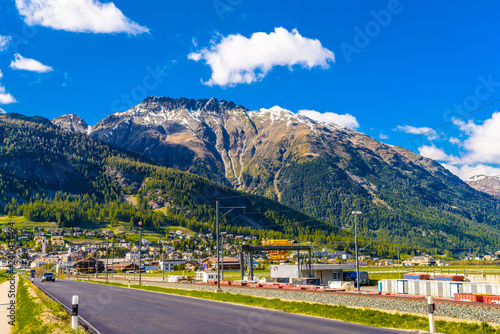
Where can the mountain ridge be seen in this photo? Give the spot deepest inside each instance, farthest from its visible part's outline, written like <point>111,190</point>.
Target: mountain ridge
<point>323,169</point>
<point>486,184</point>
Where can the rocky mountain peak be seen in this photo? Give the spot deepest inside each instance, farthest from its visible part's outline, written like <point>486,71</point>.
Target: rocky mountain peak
<point>70,122</point>
<point>484,183</point>
<point>211,105</point>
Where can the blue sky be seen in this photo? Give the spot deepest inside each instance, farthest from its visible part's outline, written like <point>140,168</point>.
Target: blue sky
<point>390,69</point>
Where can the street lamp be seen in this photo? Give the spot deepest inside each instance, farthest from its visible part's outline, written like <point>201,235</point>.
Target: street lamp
<point>140,251</point>
<point>107,255</point>
<point>217,232</point>
<point>162,261</point>
<point>355,213</point>
<point>222,259</point>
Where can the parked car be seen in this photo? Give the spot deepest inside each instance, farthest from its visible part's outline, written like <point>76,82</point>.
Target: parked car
<point>48,277</point>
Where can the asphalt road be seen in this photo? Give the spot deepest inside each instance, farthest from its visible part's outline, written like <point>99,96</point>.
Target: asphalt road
<point>120,310</point>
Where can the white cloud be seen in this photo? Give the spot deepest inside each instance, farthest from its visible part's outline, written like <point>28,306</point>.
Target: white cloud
<point>2,111</point>
<point>4,42</point>
<point>346,120</point>
<point>5,98</point>
<point>428,132</point>
<point>77,16</point>
<point>483,143</point>
<point>455,141</point>
<point>238,59</point>
<point>465,172</point>
<point>383,136</point>
<point>434,153</point>
<point>479,151</point>
<point>27,64</point>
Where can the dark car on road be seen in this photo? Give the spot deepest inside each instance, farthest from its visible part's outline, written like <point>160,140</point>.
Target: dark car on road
<point>48,277</point>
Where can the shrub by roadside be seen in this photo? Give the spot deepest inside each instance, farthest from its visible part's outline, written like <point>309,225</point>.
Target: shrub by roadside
<point>3,276</point>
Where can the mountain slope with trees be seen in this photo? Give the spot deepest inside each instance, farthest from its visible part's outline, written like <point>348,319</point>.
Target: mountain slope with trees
<point>322,169</point>
<point>49,174</point>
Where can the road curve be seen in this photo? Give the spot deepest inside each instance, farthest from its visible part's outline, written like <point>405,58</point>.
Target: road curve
<point>119,310</point>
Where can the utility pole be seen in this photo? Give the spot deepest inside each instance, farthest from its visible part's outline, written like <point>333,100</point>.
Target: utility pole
<point>222,260</point>
<point>217,238</point>
<point>140,251</point>
<point>112,260</point>
<point>107,256</point>
<point>399,265</point>
<point>88,267</point>
<point>217,232</point>
<point>95,264</point>
<point>355,213</point>
<point>162,262</point>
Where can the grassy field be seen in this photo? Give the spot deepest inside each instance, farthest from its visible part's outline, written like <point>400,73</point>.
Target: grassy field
<point>3,276</point>
<point>21,222</point>
<point>36,313</point>
<point>120,229</point>
<point>338,312</point>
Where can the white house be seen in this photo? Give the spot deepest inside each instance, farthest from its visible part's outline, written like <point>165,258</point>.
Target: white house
<point>132,256</point>
<point>169,264</point>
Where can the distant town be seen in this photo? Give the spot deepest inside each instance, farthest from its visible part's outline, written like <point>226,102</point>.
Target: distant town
<point>46,248</point>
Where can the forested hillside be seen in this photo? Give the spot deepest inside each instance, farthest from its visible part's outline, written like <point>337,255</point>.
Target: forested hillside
<point>48,174</point>
<point>322,169</point>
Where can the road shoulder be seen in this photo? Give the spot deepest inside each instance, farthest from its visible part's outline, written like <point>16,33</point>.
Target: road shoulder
<point>8,305</point>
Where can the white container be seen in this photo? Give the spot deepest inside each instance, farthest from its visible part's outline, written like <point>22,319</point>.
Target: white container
<point>484,289</point>
<point>495,289</point>
<point>446,289</point>
<point>455,287</point>
<point>413,287</point>
<point>425,288</point>
<point>386,285</point>
<point>394,286</point>
<point>470,287</point>
<point>436,289</point>
<point>402,286</point>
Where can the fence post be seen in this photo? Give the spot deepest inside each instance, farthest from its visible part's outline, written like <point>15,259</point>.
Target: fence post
<point>74,314</point>
<point>432,307</point>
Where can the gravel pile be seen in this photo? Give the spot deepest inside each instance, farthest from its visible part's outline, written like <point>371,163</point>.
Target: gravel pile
<point>459,312</point>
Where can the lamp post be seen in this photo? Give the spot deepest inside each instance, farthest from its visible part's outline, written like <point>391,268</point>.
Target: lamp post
<point>162,262</point>
<point>107,256</point>
<point>140,251</point>
<point>356,213</point>
<point>222,259</point>
<point>217,233</point>
<point>95,264</point>
<point>112,260</point>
